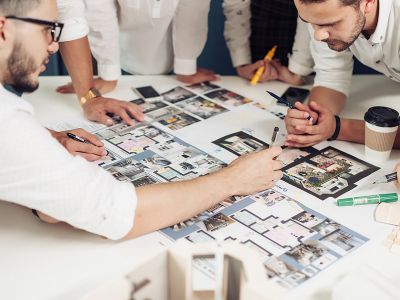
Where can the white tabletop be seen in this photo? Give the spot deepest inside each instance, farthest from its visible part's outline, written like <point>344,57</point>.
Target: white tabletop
<point>41,261</point>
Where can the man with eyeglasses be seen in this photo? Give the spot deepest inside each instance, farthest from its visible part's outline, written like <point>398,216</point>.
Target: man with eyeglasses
<point>37,172</point>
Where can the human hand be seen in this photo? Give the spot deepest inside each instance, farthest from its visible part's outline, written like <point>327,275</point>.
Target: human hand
<point>103,86</point>
<point>248,71</point>
<point>92,151</point>
<point>285,75</point>
<point>202,75</point>
<point>98,109</point>
<point>307,134</point>
<point>298,116</point>
<point>254,172</point>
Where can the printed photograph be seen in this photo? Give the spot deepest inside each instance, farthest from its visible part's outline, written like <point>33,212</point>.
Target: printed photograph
<point>149,106</point>
<point>327,173</point>
<point>228,98</point>
<point>172,118</point>
<point>177,94</point>
<point>202,107</point>
<point>240,143</point>
<point>217,221</point>
<point>203,87</point>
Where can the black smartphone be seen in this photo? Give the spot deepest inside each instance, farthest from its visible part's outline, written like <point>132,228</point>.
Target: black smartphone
<point>147,93</point>
<point>294,94</point>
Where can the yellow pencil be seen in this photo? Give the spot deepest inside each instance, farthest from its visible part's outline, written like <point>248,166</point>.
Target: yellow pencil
<point>260,70</point>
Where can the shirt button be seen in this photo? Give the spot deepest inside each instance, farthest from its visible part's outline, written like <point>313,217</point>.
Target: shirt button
<point>391,77</point>
<point>378,61</point>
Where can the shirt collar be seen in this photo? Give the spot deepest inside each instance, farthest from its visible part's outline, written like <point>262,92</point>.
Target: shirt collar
<point>385,7</point>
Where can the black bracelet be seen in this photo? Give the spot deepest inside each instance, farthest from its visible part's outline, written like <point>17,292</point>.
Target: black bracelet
<point>337,129</point>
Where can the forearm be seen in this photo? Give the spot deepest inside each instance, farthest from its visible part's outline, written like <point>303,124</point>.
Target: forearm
<point>78,60</point>
<point>163,205</point>
<point>328,98</point>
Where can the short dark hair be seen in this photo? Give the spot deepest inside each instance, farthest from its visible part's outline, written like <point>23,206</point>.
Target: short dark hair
<point>17,7</point>
<point>355,3</point>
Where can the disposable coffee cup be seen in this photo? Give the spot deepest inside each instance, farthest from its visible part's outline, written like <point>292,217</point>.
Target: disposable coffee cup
<point>381,125</point>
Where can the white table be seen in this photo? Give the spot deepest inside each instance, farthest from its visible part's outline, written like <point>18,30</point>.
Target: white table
<point>40,261</point>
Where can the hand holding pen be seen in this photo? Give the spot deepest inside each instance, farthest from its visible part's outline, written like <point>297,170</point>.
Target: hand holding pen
<point>80,142</point>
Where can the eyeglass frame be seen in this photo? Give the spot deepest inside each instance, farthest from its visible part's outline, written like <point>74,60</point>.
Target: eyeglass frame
<point>52,25</point>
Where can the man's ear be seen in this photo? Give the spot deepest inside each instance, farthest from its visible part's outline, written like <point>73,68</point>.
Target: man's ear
<point>368,5</point>
<point>3,31</point>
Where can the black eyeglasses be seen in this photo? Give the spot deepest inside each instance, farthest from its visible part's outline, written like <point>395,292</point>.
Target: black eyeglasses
<point>56,27</point>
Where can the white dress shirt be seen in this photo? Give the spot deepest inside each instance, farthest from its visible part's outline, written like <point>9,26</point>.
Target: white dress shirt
<point>72,14</point>
<point>380,52</point>
<point>237,34</point>
<point>37,172</point>
<point>147,36</point>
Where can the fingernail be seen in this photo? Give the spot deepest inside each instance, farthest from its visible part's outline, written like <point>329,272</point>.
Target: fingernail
<point>104,153</point>
<point>306,115</point>
<point>109,122</point>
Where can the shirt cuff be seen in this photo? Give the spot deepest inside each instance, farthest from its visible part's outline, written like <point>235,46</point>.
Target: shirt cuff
<point>298,68</point>
<point>119,219</point>
<point>240,56</point>
<point>74,29</point>
<point>109,72</point>
<point>185,66</point>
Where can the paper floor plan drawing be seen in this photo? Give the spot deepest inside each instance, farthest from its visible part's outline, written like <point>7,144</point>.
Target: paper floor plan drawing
<point>294,242</point>
<point>327,173</point>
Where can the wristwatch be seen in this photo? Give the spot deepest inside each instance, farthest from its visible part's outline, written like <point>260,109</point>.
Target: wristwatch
<point>92,94</point>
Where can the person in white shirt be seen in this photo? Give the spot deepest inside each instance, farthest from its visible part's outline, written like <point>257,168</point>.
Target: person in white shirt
<point>145,37</point>
<point>247,35</point>
<point>367,29</point>
<point>37,172</point>
<point>76,55</point>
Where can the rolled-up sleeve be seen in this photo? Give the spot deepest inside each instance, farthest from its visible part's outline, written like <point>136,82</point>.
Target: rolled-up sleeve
<point>72,14</point>
<point>237,30</point>
<point>333,69</point>
<point>104,37</point>
<point>190,28</point>
<point>301,61</point>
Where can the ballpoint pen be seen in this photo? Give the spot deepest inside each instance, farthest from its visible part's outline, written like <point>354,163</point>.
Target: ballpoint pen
<point>285,102</point>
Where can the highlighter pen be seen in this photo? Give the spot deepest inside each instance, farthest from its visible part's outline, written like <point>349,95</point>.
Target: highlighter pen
<point>387,178</point>
<point>270,55</point>
<point>285,102</point>
<point>371,199</point>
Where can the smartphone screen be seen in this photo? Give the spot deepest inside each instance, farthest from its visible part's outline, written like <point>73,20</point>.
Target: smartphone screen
<point>147,92</point>
<point>294,94</point>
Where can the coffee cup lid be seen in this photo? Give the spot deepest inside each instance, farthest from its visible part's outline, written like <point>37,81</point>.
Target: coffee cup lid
<point>382,116</point>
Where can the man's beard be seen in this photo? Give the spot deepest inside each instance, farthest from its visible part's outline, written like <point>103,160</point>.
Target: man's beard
<point>338,45</point>
<point>20,70</point>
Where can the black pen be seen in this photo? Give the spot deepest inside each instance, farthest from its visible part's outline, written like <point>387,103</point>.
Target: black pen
<point>77,138</point>
<point>274,134</point>
<point>285,102</point>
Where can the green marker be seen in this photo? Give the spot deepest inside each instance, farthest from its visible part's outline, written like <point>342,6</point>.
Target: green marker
<point>372,199</point>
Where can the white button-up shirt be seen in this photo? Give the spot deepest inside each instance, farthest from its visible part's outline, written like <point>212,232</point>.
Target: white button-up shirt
<point>147,36</point>
<point>238,30</point>
<point>380,52</point>
<point>49,179</point>
<point>72,14</point>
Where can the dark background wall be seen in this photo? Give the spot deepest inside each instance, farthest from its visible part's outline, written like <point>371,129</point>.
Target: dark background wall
<point>215,55</point>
